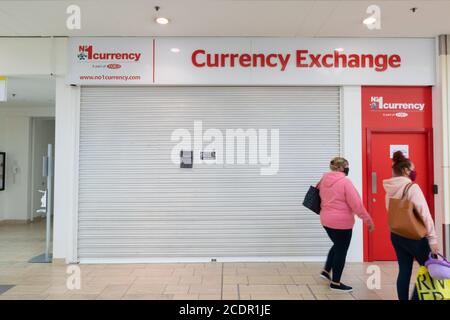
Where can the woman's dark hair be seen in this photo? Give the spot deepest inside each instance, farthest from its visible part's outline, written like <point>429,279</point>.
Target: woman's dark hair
<point>400,162</point>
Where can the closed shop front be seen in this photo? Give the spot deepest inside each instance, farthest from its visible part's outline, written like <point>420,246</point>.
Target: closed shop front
<point>136,203</point>
<point>202,149</point>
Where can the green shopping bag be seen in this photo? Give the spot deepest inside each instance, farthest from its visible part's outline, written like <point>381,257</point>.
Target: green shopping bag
<point>431,289</point>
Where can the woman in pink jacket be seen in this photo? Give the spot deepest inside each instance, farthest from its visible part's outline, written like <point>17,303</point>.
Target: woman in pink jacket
<point>340,202</point>
<point>406,249</point>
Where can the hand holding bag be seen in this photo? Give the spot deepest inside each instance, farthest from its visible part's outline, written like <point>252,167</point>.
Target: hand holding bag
<point>312,199</point>
<point>438,268</point>
<point>404,220</point>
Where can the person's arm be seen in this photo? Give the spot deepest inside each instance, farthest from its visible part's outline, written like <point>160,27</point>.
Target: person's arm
<point>420,204</point>
<point>354,201</point>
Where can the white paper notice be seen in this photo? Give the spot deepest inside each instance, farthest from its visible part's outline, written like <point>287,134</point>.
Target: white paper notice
<point>404,148</point>
<point>2,88</point>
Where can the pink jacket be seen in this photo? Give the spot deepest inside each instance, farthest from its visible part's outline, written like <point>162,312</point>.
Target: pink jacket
<point>340,202</point>
<point>394,189</point>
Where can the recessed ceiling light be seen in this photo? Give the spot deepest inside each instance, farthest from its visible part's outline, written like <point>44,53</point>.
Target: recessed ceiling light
<point>369,20</point>
<point>162,20</point>
<point>175,50</point>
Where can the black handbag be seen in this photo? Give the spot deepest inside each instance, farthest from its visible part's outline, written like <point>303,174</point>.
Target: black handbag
<point>312,199</point>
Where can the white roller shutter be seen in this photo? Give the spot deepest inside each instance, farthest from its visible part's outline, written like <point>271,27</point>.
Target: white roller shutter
<point>135,204</point>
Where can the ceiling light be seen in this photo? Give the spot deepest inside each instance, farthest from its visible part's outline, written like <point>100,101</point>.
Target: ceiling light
<point>369,20</point>
<point>175,50</point>
<point>162,20</point>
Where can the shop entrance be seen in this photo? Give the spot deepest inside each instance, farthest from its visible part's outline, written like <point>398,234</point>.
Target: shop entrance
<point>137,203</point>
<point>417,146</point>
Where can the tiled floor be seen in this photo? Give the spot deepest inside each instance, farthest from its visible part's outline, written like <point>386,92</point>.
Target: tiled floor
<point>280,280</point>
<point>21,242</point>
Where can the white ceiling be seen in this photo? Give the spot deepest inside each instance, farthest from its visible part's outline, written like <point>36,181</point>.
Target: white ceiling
<point>225,18</point>
<point>30,92</point>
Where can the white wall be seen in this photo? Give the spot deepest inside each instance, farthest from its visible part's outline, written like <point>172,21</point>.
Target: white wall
<point>32,56</point>
<point>66,171</point>
<point>446,140</point>
<point>352,151</point>
<point>15,140</point>
<point>441,119</point>
<point>438,147</point>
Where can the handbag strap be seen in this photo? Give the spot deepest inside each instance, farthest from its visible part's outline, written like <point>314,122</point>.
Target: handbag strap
<point>437,257</point>
<point>406,189</point>
<point>318,183</point>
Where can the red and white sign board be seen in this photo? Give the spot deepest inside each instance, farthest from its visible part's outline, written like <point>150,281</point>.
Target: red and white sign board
<point>110,61</point>
<point>251,61</point>
<point>396,107</point>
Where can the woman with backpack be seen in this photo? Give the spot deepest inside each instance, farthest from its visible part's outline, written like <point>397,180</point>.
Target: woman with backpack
<point>402,186</point>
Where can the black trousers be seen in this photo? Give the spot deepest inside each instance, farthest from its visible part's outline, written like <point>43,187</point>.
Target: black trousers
<point>407,250</point>
<point>338,252</point>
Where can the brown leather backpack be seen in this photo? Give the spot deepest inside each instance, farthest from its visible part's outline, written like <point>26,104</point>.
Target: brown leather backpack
<point>404,220</point>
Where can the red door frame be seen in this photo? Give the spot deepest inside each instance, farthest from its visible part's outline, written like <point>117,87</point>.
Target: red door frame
<point>370,131</point>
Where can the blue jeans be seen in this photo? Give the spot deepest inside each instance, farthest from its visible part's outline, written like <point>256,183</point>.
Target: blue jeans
<point>407,250</point>
<point>338,252</point>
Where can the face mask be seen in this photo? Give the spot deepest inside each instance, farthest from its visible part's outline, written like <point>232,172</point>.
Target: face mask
<point>346,170</point>
<point>413,175</point>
